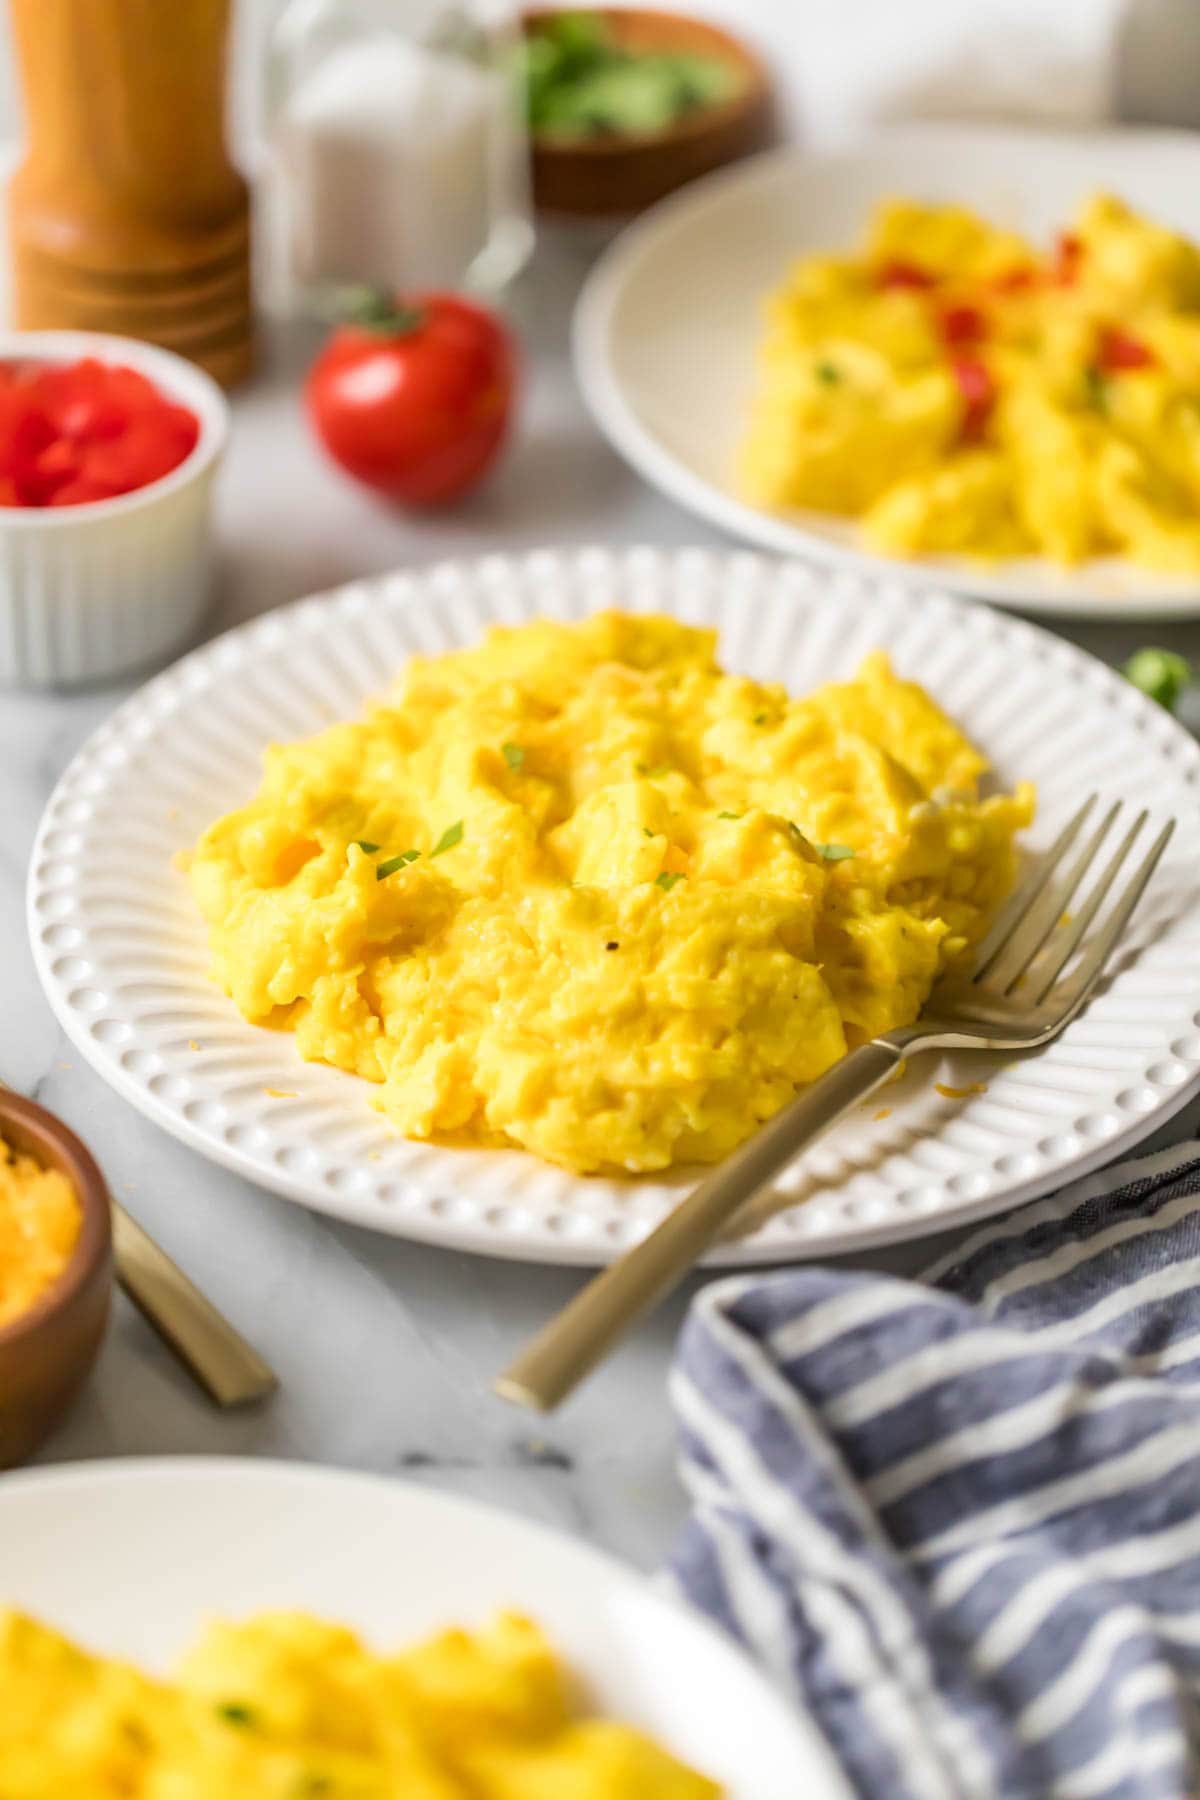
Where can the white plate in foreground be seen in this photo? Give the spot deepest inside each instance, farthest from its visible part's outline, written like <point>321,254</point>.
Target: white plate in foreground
<point>668,323</point>
<point>122,952</point>
<point>132,1556</point>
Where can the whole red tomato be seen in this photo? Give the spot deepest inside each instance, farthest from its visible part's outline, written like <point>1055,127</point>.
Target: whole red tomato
<point>414,397</point>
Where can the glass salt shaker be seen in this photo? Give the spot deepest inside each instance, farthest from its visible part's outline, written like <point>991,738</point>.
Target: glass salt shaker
<point>399,152</point>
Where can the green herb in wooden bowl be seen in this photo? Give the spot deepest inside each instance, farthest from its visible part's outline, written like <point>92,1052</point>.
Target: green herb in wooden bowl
<point>627,104</point>
<point>583,80</point>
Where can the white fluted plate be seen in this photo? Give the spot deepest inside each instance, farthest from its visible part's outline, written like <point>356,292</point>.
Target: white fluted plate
<point>121,950</point>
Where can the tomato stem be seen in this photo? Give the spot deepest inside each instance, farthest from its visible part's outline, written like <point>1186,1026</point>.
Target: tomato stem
<point>374,309</point>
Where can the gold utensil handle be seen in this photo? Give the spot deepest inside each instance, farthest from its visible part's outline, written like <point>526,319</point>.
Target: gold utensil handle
<point>221,1360</point>
<point>571,1345</point>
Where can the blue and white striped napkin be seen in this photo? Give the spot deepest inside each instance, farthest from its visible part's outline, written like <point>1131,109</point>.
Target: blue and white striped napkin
<point>960,1523</point>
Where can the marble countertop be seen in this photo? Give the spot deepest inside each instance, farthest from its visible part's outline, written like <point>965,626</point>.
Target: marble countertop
<point>385,1349</point>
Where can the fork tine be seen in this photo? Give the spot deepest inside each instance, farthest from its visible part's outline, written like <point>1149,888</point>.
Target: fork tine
<point>1064,947</point>
<point>1091,967</point>
<point>1043,917</point>
<point>1015,908</point>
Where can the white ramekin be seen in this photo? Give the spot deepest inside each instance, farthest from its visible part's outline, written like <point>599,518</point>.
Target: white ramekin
<point>92,591</point>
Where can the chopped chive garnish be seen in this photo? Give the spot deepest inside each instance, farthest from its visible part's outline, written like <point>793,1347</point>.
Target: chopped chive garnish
<point>729,815</point>
<point>666,881</point>
<point>646,831</point>
<point>451,836</point>
<point>827,373</point>
<point>235,1712</point>
<point>1096,387</point>
<point>393,863</point>
<point>513,755</point>
<point>828,852</point>
<point>364,844</point>
<point>760,718</point>
<point>1162,674</point>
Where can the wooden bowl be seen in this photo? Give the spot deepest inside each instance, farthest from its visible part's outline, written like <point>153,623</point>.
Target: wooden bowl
<point>610,176</point>
<point>47,1351</point>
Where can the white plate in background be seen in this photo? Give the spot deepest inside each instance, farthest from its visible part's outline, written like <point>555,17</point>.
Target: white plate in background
<point>668,324</point>
<point>122,951</point>
<point>132,1556</point>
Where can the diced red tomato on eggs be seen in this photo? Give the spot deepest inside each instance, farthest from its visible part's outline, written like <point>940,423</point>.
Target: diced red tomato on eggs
<point>1067,257</point>
<point>1120,351</point>
<point>978,391</point>
<point>71,433</point>
<point>900,274</point>
<point>964,327</point>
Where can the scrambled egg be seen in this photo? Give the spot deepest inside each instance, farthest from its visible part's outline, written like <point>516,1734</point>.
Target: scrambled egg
<point>959,392</point>
<point>284,1707</point>
<point>40,1222</point>
<point>577,890</point>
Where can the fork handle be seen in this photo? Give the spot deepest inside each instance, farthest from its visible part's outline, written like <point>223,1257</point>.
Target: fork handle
<point>571,1345</point>
<point>225,1365</point>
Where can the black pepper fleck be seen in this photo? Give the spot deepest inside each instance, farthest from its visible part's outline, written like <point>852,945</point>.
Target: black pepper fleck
<point>536,1453</point>
<point>612,946</point>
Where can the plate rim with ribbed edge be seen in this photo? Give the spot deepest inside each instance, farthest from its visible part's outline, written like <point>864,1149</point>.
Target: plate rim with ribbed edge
<point>121,952</point>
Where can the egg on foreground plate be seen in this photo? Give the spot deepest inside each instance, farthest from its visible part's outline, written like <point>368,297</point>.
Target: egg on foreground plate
<point>575,889</point>
<point>286,1707</point>
<point>960,392</point>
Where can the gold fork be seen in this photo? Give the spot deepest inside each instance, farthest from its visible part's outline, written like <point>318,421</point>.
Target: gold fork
<point>1026,986</point>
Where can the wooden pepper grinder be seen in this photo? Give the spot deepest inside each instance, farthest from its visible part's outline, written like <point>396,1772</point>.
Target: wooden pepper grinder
<point>127,214</point>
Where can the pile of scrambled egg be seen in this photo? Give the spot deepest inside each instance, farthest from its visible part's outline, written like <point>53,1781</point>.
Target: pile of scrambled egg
<point>40,1222</point>
<point>576,889</point>
<point>959,392</point>
<point>285,1707</point>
